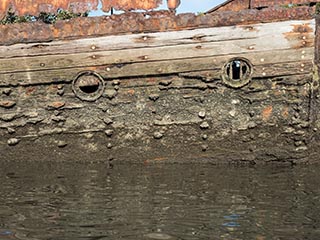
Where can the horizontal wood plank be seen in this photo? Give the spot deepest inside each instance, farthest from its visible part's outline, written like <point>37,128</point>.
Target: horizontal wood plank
<point>92,45</point>
<point>263,63</point>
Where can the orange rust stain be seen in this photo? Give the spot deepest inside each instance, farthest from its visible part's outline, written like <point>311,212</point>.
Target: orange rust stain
<point>131,92</point>
<point>301,36</point>
<point>30,90</point>
<point>130,4</point>
<point>266,113</point>
<point>34,7</point>
<point>269,3</point>
<point>158,159</point>
<point>56,105</point>
<point>285,112</point>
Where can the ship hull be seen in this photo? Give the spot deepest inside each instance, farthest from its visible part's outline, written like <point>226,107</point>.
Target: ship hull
<point>221,94</point>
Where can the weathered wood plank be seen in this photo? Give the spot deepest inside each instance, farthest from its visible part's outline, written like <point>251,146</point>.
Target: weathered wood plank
<point>50,62</point>
<point>264,31</point>
<point>262,59</point>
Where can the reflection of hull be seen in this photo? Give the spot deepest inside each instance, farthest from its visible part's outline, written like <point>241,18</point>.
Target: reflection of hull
<point>217,93</point>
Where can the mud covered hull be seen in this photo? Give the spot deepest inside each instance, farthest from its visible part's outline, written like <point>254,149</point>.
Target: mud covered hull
<point>164,97</point>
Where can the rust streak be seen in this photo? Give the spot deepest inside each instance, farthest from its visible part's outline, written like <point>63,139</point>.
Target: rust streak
<point>300,36</point>
<point>34,7</point>
<point>266,113</point>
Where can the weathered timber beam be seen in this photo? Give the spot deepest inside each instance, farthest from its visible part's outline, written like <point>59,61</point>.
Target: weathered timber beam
<point>262,59</point>
<point>139,23</point>
<point>268,33</point>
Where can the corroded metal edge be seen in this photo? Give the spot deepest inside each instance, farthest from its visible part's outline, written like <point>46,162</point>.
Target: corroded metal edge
<point>133,22</point>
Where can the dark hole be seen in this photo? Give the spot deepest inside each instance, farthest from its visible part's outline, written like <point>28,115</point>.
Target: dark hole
<point>236,70</point>
<point>244,70</point>
<point>89,88</point>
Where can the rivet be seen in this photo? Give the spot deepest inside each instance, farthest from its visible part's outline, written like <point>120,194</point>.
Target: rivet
<point>157,135</point>
<point>303,52</point>
<point>145,57</point>
<point>301,69</point>
<point>304,37</point>
<point>42,65</point>
<point>204,136</point>
<point>11,130</point>
<point>107,121</point>
<point>93,47</point>
<point>304,42</point>
<point>145,38</point>
<point>108,69</point>
<point>202,114</point>
<point>154,97</point>
<point>94,56</point>
<point>264,74</point>
<point>116,82</point>
<point>60,92</point>
<point>302,65</point>
<point>109,145</point>
<point>62,144</point>
<point>204,148</point>
<point>251,47</point>
<point>13,141</point>
<point>204,125</point>
<point>302,57</point>
<point>109,132</point>
<point>262,60</point>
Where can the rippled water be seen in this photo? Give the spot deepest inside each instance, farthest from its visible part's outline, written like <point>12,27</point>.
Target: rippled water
<point>91,201</point>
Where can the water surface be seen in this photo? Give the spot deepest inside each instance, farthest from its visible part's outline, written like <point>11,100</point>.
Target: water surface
<point>91,201</point>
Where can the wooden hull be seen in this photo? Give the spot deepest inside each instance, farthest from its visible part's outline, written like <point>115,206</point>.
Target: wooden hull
<point>163,96</point>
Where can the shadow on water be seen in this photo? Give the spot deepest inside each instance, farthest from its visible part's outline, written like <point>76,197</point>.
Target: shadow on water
<point>79,201</point>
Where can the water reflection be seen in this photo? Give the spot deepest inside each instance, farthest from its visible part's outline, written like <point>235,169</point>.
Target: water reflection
<point>79,201</point>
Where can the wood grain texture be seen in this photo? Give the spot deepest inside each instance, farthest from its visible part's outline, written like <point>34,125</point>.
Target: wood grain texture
<point>290,42</point>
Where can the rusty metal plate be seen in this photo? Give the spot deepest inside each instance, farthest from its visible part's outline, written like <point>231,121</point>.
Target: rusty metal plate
<point>268,3</point>
<point>157,21</point>
<point>130,4</point>
<point>34,7</point>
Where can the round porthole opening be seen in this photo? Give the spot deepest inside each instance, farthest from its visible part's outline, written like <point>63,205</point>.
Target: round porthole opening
<point>88,86</point>
<point>237,72</point>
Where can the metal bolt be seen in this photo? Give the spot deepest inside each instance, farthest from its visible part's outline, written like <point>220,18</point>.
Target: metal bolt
<point>204,125</point>
<point>13,141</point>
<point>202,114</point>
<point>204,136</point>
<point>157,135</point>
<point>109,132</point>
<point>116,82</point>
<point>204,148</point>
<point>62,144</point>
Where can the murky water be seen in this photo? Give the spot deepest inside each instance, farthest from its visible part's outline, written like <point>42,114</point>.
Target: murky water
<point>79,201</point>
